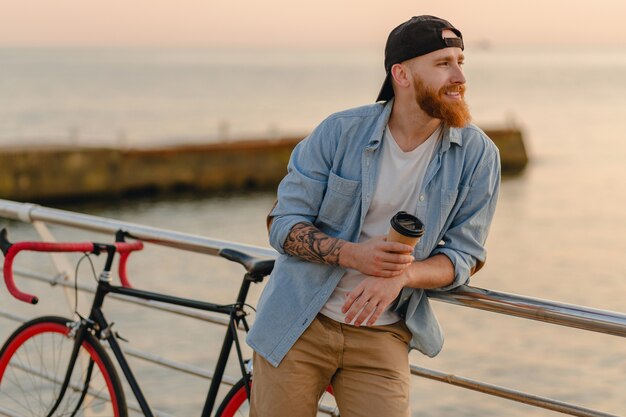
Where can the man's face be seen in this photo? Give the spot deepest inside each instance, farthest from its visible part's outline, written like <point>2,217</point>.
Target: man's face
<point>439,85</point>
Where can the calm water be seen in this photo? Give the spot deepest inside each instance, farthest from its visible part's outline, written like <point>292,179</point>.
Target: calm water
<point>558,232</point>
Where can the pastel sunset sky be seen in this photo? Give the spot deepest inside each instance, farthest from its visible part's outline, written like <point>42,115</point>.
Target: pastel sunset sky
<point>319,23</point>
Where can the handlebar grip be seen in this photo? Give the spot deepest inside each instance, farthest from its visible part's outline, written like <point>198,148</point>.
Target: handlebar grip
<point>125,249</point>
<point>11,250</point>
<point>14,248</point>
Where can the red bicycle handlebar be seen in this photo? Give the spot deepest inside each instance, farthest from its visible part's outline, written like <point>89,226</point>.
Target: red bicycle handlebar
<point>122,247</point>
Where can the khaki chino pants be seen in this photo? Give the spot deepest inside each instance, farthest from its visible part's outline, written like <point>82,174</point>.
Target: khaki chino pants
<point>368,368</point>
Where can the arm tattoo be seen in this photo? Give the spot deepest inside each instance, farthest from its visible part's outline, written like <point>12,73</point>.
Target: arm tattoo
<point>309,243</point>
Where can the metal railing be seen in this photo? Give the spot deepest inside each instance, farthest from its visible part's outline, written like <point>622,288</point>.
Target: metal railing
<point>562,314</point>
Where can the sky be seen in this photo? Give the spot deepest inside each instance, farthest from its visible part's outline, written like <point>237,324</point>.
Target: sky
<point>297,23</point>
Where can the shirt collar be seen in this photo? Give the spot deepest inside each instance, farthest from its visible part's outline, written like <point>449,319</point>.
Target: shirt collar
<point>451,135</point>
<point>381,124</point>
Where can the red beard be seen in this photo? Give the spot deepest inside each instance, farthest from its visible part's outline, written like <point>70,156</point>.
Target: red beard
<point>453,114</point>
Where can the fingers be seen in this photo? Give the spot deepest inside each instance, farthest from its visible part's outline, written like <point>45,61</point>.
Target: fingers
<point>362,304</point>
<point>351,297</point>
<point>369,299</point>
<point>393,266</point>
<point>385,261</point>
<point>362,309</point>
<point>396,247</point>
<point>369,309</point>
<point>380,243</point>
<point>379,258</point>
<point>386,269</point>
<point>387,273</point>
<point>395,258</point>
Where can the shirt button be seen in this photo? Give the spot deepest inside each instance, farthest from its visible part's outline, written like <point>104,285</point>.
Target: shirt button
<point>422,197</point>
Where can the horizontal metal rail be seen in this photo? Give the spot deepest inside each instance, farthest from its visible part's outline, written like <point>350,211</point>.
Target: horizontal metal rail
<point>527,307</point>
<point>570,315</point>
<point>29,213</point>
<point>601,321</point>
<point>562,314</point>
<point>510,304</point>
<point>509,394</point>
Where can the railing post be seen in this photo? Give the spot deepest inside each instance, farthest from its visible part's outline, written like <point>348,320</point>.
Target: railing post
<point>62,265</point>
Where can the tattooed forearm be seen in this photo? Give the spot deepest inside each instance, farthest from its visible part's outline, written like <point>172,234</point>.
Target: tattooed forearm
<point>307,242</point>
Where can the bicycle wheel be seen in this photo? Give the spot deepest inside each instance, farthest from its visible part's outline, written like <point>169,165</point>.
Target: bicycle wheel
<point>235,403</point>
<point>33,363</point>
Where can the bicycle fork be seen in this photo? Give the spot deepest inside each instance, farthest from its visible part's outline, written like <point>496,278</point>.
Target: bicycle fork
<point>111,338</point>
<point>78,341</point>
<point>78,331</point>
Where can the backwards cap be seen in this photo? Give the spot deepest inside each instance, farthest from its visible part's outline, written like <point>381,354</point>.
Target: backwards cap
<point>418,36</point>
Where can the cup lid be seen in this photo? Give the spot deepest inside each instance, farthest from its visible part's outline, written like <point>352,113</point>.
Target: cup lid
<point>407,224</point>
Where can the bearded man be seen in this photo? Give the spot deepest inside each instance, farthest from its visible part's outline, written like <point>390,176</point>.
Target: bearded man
<point>343,305</point>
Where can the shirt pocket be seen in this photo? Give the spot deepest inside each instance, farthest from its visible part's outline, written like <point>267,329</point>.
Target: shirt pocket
<point>451,200</point>
<point>340,202</point>
<point>448,200</point>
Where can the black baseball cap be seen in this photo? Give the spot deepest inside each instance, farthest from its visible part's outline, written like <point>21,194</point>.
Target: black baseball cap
<point>418,36</point>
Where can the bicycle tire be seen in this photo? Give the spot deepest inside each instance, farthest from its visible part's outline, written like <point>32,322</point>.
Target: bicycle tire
<point>235,402</point>
<point>33,363</point>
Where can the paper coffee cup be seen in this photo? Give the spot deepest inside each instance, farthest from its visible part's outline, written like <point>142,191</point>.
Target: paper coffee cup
<point>405,228</point>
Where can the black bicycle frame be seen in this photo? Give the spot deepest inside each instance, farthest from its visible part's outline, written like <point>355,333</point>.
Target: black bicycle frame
<point>98,322</point>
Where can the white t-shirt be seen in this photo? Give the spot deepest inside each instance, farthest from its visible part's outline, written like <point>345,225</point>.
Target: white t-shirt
<point>399,182</point>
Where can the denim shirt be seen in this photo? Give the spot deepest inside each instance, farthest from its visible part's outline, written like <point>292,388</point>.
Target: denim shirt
<point>330,182</point>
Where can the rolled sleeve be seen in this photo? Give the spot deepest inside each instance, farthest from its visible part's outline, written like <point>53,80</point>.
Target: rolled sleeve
<point>301,192</point>
<point>464,241</point>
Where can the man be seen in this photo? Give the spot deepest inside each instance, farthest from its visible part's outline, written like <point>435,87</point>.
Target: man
<point>343,305</point>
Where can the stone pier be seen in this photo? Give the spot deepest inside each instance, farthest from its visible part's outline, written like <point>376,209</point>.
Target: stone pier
<point>74,173</point>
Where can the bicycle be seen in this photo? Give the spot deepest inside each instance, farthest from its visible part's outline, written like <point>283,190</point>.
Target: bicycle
<point>64,361</point>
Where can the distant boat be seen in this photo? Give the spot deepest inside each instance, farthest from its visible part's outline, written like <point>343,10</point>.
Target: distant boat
<point>482,44</point>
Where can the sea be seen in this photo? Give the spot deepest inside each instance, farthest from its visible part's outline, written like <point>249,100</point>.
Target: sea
<point>559,233</point>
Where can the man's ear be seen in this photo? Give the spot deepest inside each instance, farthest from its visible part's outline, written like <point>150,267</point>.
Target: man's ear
<point>401,75</point>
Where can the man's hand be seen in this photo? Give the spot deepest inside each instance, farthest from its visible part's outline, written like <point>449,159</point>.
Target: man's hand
<point>370,298</point>
<point>374,294</point>
<point>376,257</point>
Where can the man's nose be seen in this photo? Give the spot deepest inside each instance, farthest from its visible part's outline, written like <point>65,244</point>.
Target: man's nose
<point>458,77</point>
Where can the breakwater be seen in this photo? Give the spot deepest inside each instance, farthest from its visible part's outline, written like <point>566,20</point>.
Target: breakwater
<point>65,173</point>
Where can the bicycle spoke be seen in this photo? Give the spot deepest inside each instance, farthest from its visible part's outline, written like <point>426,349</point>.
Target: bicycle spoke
<point>36,369</point>
<point>17,380</point>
